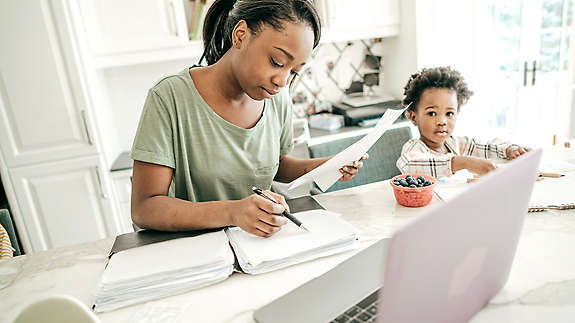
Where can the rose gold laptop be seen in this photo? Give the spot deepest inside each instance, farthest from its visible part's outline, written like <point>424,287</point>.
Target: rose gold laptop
<point>442,267</point>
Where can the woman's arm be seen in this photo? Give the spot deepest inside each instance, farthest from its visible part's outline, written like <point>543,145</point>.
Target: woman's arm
<point>152,208</point>
<point>291,168</point>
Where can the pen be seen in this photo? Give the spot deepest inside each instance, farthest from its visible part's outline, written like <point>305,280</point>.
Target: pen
<point>284,213</point>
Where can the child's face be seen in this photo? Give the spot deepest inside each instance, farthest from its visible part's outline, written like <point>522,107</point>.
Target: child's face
<point>435,116</point>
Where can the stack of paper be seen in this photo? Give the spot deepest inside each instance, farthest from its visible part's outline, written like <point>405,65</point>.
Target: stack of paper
<point>328,234</point>
<point>164,269</point>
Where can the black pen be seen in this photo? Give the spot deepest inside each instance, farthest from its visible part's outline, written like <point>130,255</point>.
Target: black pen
<point>284,213</point>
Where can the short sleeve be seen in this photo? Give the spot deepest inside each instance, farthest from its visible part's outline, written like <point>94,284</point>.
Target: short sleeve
<point>154,138</point>
<point>286,139</point>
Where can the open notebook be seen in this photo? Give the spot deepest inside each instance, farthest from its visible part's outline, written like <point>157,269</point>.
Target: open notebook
<point>148,265</point>
<point>546,192</point>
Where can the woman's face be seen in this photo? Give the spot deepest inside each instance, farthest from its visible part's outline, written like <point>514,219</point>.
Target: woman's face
<point>267,61</point>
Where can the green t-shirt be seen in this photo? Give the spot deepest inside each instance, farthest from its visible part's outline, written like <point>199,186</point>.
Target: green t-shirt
<point>212,158</point>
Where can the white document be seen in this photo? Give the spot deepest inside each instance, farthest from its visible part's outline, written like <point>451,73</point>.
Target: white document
<point>328,173</point>
<point>328,234</point>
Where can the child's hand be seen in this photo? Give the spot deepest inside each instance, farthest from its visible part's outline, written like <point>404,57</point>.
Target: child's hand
<point>257,215</point>
<point>479,166</point>
<point>349,171</point>
<point>514,151</point>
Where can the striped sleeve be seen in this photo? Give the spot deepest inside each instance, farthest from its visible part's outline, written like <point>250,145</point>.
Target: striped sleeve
<point>489,150</point>
<point>6,250</point>
<point>416,159</point>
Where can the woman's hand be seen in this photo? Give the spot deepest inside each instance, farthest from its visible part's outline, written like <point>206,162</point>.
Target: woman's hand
<point>257,215</point>
<point>349,171</point>
<point>514,151</point>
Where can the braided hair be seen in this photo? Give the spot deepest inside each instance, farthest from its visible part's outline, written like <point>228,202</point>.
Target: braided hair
<point>223,15</point>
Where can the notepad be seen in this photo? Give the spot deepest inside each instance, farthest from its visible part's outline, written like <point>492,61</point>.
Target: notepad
<point>328,234</point>
<point>549,191</point>
<point>143,268</point>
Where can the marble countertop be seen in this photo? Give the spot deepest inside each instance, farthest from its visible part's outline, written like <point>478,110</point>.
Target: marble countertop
<point>541,286</point>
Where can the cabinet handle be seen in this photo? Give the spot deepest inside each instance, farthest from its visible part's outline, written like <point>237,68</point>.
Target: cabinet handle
<point>100,184</point>
<point>534,71</point>
<point>85,121</point>
<point>173,18</point>
<point>524,73</point>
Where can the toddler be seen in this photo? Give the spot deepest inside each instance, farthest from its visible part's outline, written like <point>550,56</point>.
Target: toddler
<point>436,96</point>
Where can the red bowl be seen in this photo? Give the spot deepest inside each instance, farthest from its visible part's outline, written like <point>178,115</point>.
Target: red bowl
<point>413,196</point>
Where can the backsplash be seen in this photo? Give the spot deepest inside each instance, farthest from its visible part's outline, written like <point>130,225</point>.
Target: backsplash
<point>337,69</point>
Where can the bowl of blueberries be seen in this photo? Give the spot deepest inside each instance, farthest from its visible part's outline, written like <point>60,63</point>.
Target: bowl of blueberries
<point>413,190</point>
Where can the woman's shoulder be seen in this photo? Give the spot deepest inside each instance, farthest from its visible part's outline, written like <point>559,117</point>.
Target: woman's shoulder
<point>172,82</point>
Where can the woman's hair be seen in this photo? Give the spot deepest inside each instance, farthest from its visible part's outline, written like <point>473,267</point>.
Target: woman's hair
<point>436,77</point>
<point>223,15</point>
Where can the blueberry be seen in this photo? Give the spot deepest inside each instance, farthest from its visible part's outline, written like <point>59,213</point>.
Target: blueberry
<point>408,177</point>
<point>421,178</point>
<point>412,185</point>
<point>403,182</point>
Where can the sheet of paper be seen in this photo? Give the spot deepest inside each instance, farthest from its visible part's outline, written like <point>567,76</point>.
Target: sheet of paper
<point>325,228</point>
<point>328,173</point>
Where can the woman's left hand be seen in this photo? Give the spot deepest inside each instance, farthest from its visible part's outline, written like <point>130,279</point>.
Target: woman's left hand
<point>349,171</point>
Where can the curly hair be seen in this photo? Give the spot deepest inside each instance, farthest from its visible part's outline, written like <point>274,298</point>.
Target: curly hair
<point>436,77</point>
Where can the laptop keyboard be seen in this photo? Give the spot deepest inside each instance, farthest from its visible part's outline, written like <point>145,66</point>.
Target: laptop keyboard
<point>363,311</point>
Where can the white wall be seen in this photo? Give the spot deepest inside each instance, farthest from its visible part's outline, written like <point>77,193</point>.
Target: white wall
<point>123,96</point>
<point>400,52</point>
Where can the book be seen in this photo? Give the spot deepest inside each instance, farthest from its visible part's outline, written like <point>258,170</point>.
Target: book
<point>148,265</point>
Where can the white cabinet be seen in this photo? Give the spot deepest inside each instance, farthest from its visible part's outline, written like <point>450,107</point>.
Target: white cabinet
<point>51,164</point>
<point>123,189</point>
<point>115,26</point>
<point>358,19</point>
<point>63,203</point>
<point>42,101</point>
<point>130,32</point>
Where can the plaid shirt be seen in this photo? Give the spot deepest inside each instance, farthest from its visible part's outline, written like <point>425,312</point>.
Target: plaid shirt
<point>417,158</point>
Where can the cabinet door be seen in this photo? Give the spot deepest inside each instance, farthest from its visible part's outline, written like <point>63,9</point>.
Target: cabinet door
<point>115,26</point>
<point>62,203</point>
<point>123,188</point>
<point>360,18</point>
<point>42,102</point>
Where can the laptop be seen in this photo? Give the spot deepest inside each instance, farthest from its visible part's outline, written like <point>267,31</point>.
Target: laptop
<point>444,266</point>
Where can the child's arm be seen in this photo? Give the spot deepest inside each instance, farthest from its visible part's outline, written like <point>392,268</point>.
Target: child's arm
<point>515,151</point>
<point>489,150</point>
<point>417,159</point>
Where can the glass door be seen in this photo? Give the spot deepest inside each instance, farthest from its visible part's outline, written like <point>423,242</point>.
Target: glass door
<point>522,88</point>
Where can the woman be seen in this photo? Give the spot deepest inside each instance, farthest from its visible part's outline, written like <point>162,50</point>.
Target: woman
<point>208,134</point>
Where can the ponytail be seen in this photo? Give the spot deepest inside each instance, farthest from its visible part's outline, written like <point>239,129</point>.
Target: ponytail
<point>216,40</point>
<point>223,15</point>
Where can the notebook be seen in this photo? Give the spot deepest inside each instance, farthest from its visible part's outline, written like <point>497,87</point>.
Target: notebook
<point>148,265</point>
<point>545,192</point>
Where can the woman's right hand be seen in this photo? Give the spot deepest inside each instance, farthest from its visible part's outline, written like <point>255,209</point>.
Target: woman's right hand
<point>258,215</point>
<point>479,166</point>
